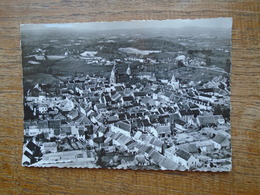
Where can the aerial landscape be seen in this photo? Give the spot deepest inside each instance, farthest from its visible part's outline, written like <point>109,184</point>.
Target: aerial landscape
<point>128,95</point>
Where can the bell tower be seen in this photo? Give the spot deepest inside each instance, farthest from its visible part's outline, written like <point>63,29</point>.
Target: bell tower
<point>175,84</point>
<point>113,75</point>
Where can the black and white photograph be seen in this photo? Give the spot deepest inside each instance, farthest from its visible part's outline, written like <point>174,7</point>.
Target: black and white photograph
<point>148,94</point>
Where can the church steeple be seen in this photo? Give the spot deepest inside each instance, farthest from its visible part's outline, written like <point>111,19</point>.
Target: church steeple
<point>175,84</point>
<point>128,71</point>
<point>113,75</point>
<point>173,79</point>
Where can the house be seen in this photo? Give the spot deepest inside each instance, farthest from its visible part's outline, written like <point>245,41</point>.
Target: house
<point>108,100</point>
<point>167,95</point>
<point>220,141</point>
<point>122,127</point>
<point>115,97</point>
<point>156,144</point>
<point>185,158</point>
<point>105,100</point>
<point>168,164</point>
<point>88,131</point>
<point>143,124</point>
<point>186,115</point>
<point>112,119</point>
<point>156,157</point>
<point>100,118</point>
<point>100,108</point>
<point>66,130</point>
<point>85,121</point>
<point>147,101</point>
<point>146,75</point>
<point>132,146</point>
<point>60,117</point>
<point>32,130</point>
<point>74,158</point>
<point>219,119</point>
<point>72,114</point>
<point>122,116</point>
<point>156,94</point>
<point>81,131</point>
<point>127,100</point>
<point>173,117</point>
<point>42,108</point>
<point>49,147</point>
<point>100,130</point>
<point>190,147</point>
<point>206,97</point>
<point>109,88</point>
<point>139,94</point>
<point>140,159</point>
<point>78,120</point>
<point>170,152</point>
<point>42,125</point>
<point>206,146</point>
<point>54,124</point>
<point>189,116</point>
<point>180,125</point>
<point>31,154</point>
<point>121,141</point>
<point>194,107</point>
<point>66,105</point>
<point>52,112</point>
<point>145,138</point>
<point>154,119</point>
<point>210,120</point>
<point>164,131</point>
<point>209,91</point>
<point>137,135</point>
<point>142,148</point>
<point>164,119</point>
<point>119,88</point>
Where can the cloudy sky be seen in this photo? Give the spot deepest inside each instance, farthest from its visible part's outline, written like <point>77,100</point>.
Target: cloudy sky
<point>178,23</point>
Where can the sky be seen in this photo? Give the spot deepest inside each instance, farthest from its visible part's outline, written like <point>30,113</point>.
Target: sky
<point>177,23</point>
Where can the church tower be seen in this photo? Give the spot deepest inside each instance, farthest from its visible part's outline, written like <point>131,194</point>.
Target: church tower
<point>113,75</point>
<point>175,84</point>
<point>128,71</point>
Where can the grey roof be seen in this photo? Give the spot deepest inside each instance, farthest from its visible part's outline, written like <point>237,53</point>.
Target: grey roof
<point>168,164</point>
<point>156,157</point>
<point>123,125</point>
<point>207,120</point>
<point>219,138</point>
<point>140,158</point>
<point>142,149</point>
<point>128,98</point>
<point>191,147</point>
<point>100,106</point>
<point>156,142</point>
<point>140,93</point>
<point>180,122</point>
<point>183,154</point>
<point>163,129</point>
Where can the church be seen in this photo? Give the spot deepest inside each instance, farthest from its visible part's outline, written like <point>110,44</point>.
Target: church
<point>174,83</point>
<point>117,76</point>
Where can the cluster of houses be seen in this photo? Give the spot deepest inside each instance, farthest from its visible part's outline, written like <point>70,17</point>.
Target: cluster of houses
<point>128,114</point>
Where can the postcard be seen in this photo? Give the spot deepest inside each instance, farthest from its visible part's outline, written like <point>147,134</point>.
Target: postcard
<point>128,94</point>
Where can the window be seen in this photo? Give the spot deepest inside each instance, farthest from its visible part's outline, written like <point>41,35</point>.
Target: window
<point>79,155</point>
